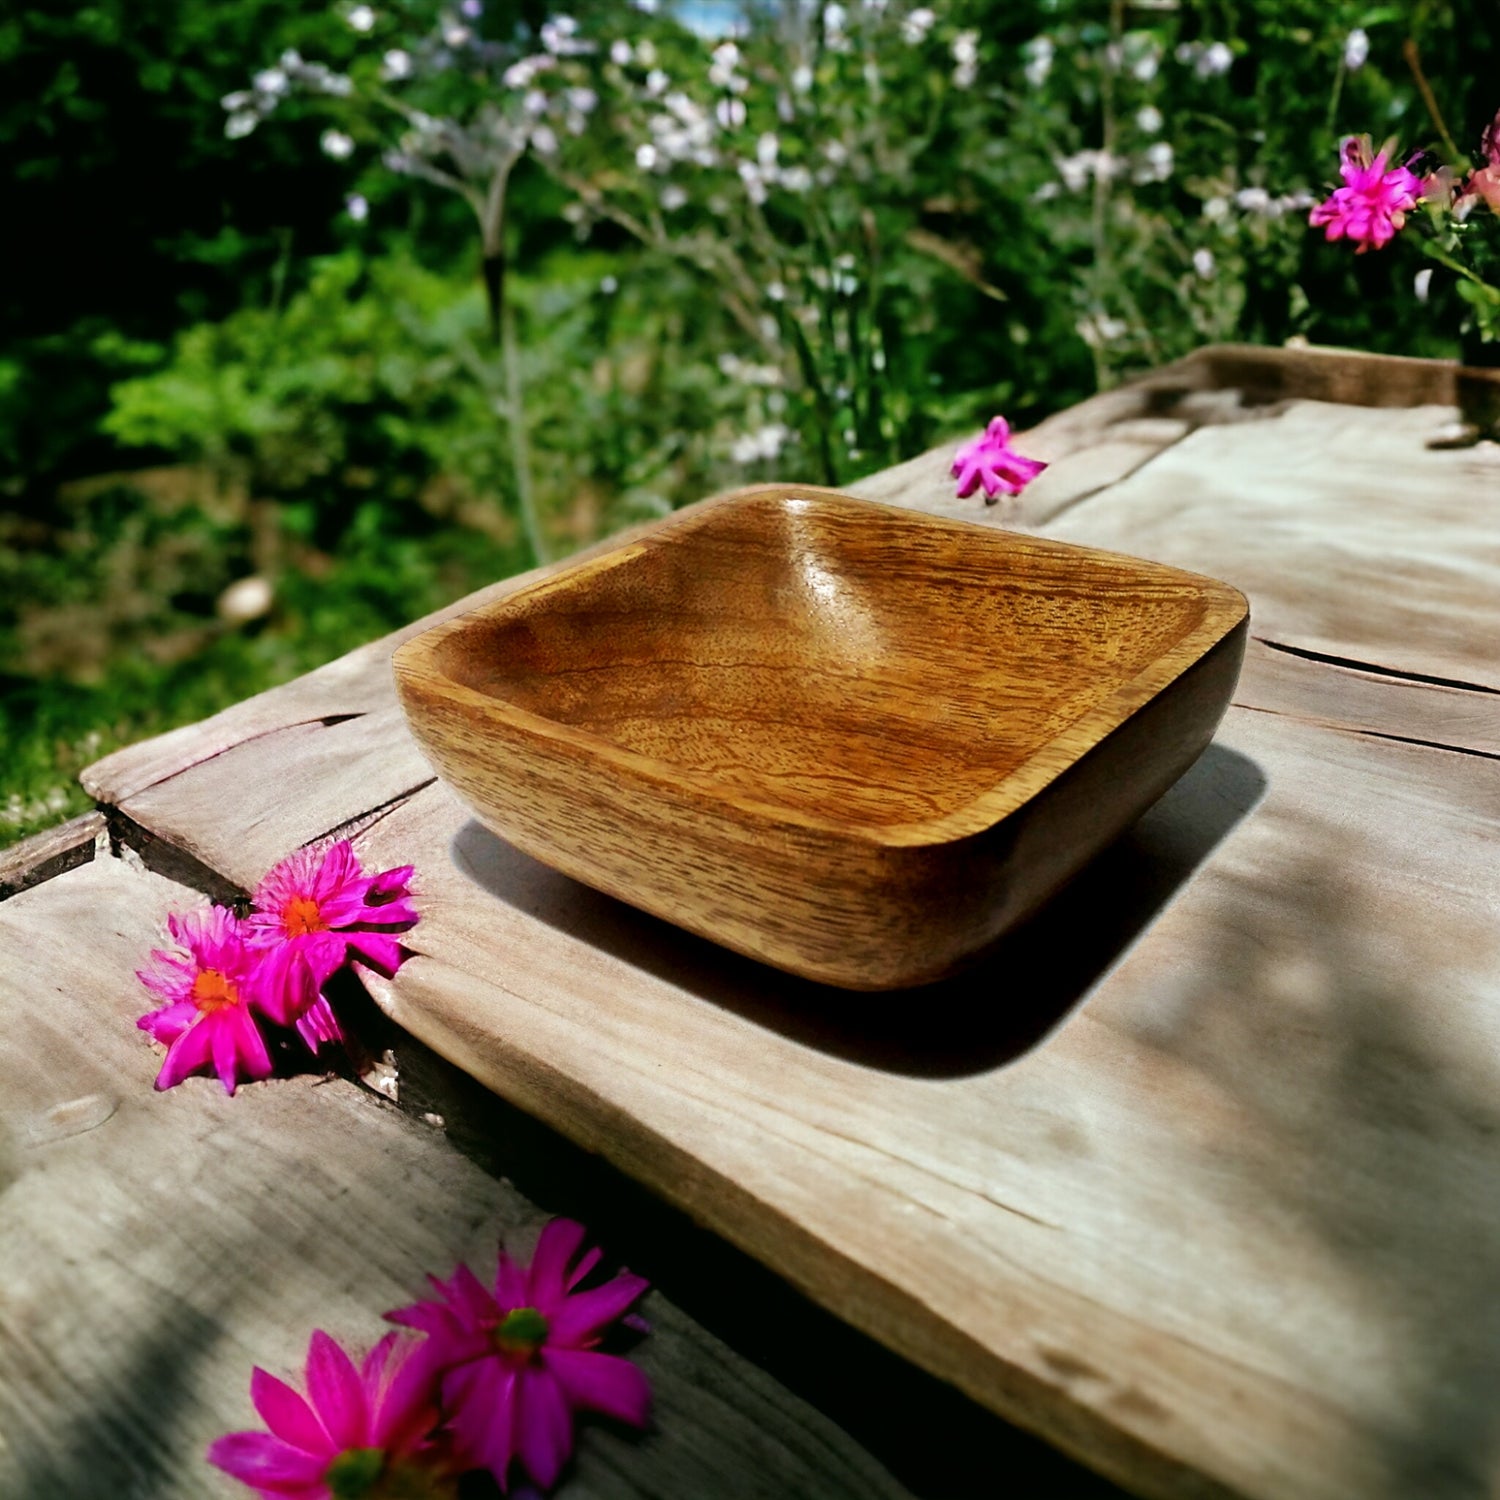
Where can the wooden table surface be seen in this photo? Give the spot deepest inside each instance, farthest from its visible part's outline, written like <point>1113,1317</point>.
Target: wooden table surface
<point>1198,1178</point>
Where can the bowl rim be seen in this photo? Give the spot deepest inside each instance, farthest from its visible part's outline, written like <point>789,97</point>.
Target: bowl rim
<point>1225,609</point>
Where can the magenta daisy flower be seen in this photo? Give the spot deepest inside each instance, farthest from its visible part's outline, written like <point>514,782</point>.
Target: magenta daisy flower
<point>209,982</point>
<point>1373,202</point>
<point>516,1362</point>
<point>990,461</point>
<point>313,911</point>
<point>361,1434</point>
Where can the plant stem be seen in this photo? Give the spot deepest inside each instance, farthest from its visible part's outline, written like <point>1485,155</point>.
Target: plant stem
<point>519,449</point>
<point>1414,62</point>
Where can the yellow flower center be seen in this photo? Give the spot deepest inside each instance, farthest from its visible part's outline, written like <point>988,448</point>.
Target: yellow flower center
<point>212,991</point>
<point>302,915</point>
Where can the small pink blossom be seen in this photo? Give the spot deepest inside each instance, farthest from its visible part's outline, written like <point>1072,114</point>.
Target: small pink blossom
<point>210,983</point>
<point>990,461</point>
<point>313,912</point>
<point>362,1432</point>
<point>516,1362</point>
<point>1373,203</point>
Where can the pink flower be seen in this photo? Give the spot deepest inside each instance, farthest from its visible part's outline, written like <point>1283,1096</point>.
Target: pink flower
<point>991,461</point>
<point>516,1362</point>
<point>363,1432</point>
<point>209,983</point>
<point>1372,204</point>
<point>313,911</point>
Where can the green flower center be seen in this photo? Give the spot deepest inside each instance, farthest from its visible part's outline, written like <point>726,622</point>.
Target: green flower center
<point>354,1473</point>
<point>521,1332</point>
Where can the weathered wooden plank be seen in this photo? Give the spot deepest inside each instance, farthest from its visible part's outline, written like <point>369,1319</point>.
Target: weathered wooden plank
<point>1370,702</point>
<point>50,852</point>
<point>1349,535</point>
<point>1180,1237</point>
<point>156,1246</point>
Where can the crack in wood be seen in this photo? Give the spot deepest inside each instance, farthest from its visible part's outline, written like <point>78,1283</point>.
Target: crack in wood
<point>361,823</point>
<point>1367,734</point>
<point>1353,664</point>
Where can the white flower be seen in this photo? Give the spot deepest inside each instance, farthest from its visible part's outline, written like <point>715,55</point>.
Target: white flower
<point>645,156</point>
<point>272,81</point>
<point>765,443</point>
<point>560,37</point>
<point>1157,164</point>
<point>796,179</point>
<point>1203,263</point>
<point>755,184</point>
<point>1422,283</point>
<point>1215,209</point>
<point>673,197</point>
<point>1144,67</point>
<point>585,101</point>
<point>522,74</point>
<point>336,144</point>
<point>730,113</point>
<point>544,140</point>
<point>361,18</point>
<point>534,103</point>
<point>1214,59</point>
<point>802,78</point>
<point>917,24</point>
<point>1149,119</point>
<point>1253,200</point>
<point>621,54</point>
<point>244,99</point>
<point>609,286</point>
<point>645,52</point>
<point>357,207</point>
<point>836,152</point>
<point>834,17</point>
<point>240,124</point>
<point>1039,54</point>
<point>766,149</point>
<point>1356,48</point>
<point>457,36</point>
<point>395,65</point>
<point>656,82</point>
<point>775,291</point>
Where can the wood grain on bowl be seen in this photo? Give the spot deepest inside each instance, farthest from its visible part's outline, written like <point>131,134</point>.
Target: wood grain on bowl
<point>850,741</point>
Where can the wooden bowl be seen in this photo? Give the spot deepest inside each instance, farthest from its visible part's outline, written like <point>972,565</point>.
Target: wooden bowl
<point>853,741</point>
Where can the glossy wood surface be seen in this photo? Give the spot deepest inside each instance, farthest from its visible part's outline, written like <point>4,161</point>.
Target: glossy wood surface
<point>833,735</point>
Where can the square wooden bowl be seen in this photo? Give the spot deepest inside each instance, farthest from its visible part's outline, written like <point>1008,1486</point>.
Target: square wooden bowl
<point>853,741</point>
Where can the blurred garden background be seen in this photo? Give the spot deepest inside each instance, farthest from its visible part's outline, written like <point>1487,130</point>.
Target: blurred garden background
<point>320,316</point>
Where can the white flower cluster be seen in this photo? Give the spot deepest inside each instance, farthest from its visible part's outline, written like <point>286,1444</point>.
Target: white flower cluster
<point>1257,203</point>
<point>1039,53</point>
<point>248,108</point>
<point>965,59</point>
<point>916,25</point>
<point>761,445</point>
<point>732,367</point>
<point>1206,59</point>
<point>16,811</point>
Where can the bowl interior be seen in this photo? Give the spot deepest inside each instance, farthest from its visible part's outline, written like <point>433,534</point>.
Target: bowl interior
<point>829,656</point>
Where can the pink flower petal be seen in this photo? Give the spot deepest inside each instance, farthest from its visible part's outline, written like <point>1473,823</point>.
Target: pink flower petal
<point>168,1023</point>
<point>544,1425</point>
<point>381,952</point>
<point>187,1054</point>
<point>337,1394</point>
<point>481,1399</point>
<point>406,1410</point>
<point>389,884</point>
<point>266,1463</point>
<point>288,1416</point>
<point>512,1284</point>
<point>558,1243</point>
<point>318,1024</point>
<point>585,1314</point>
<point>601,1382</point>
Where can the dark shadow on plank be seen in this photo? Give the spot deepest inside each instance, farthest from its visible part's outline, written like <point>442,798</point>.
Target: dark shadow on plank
<point>979,1020</point>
